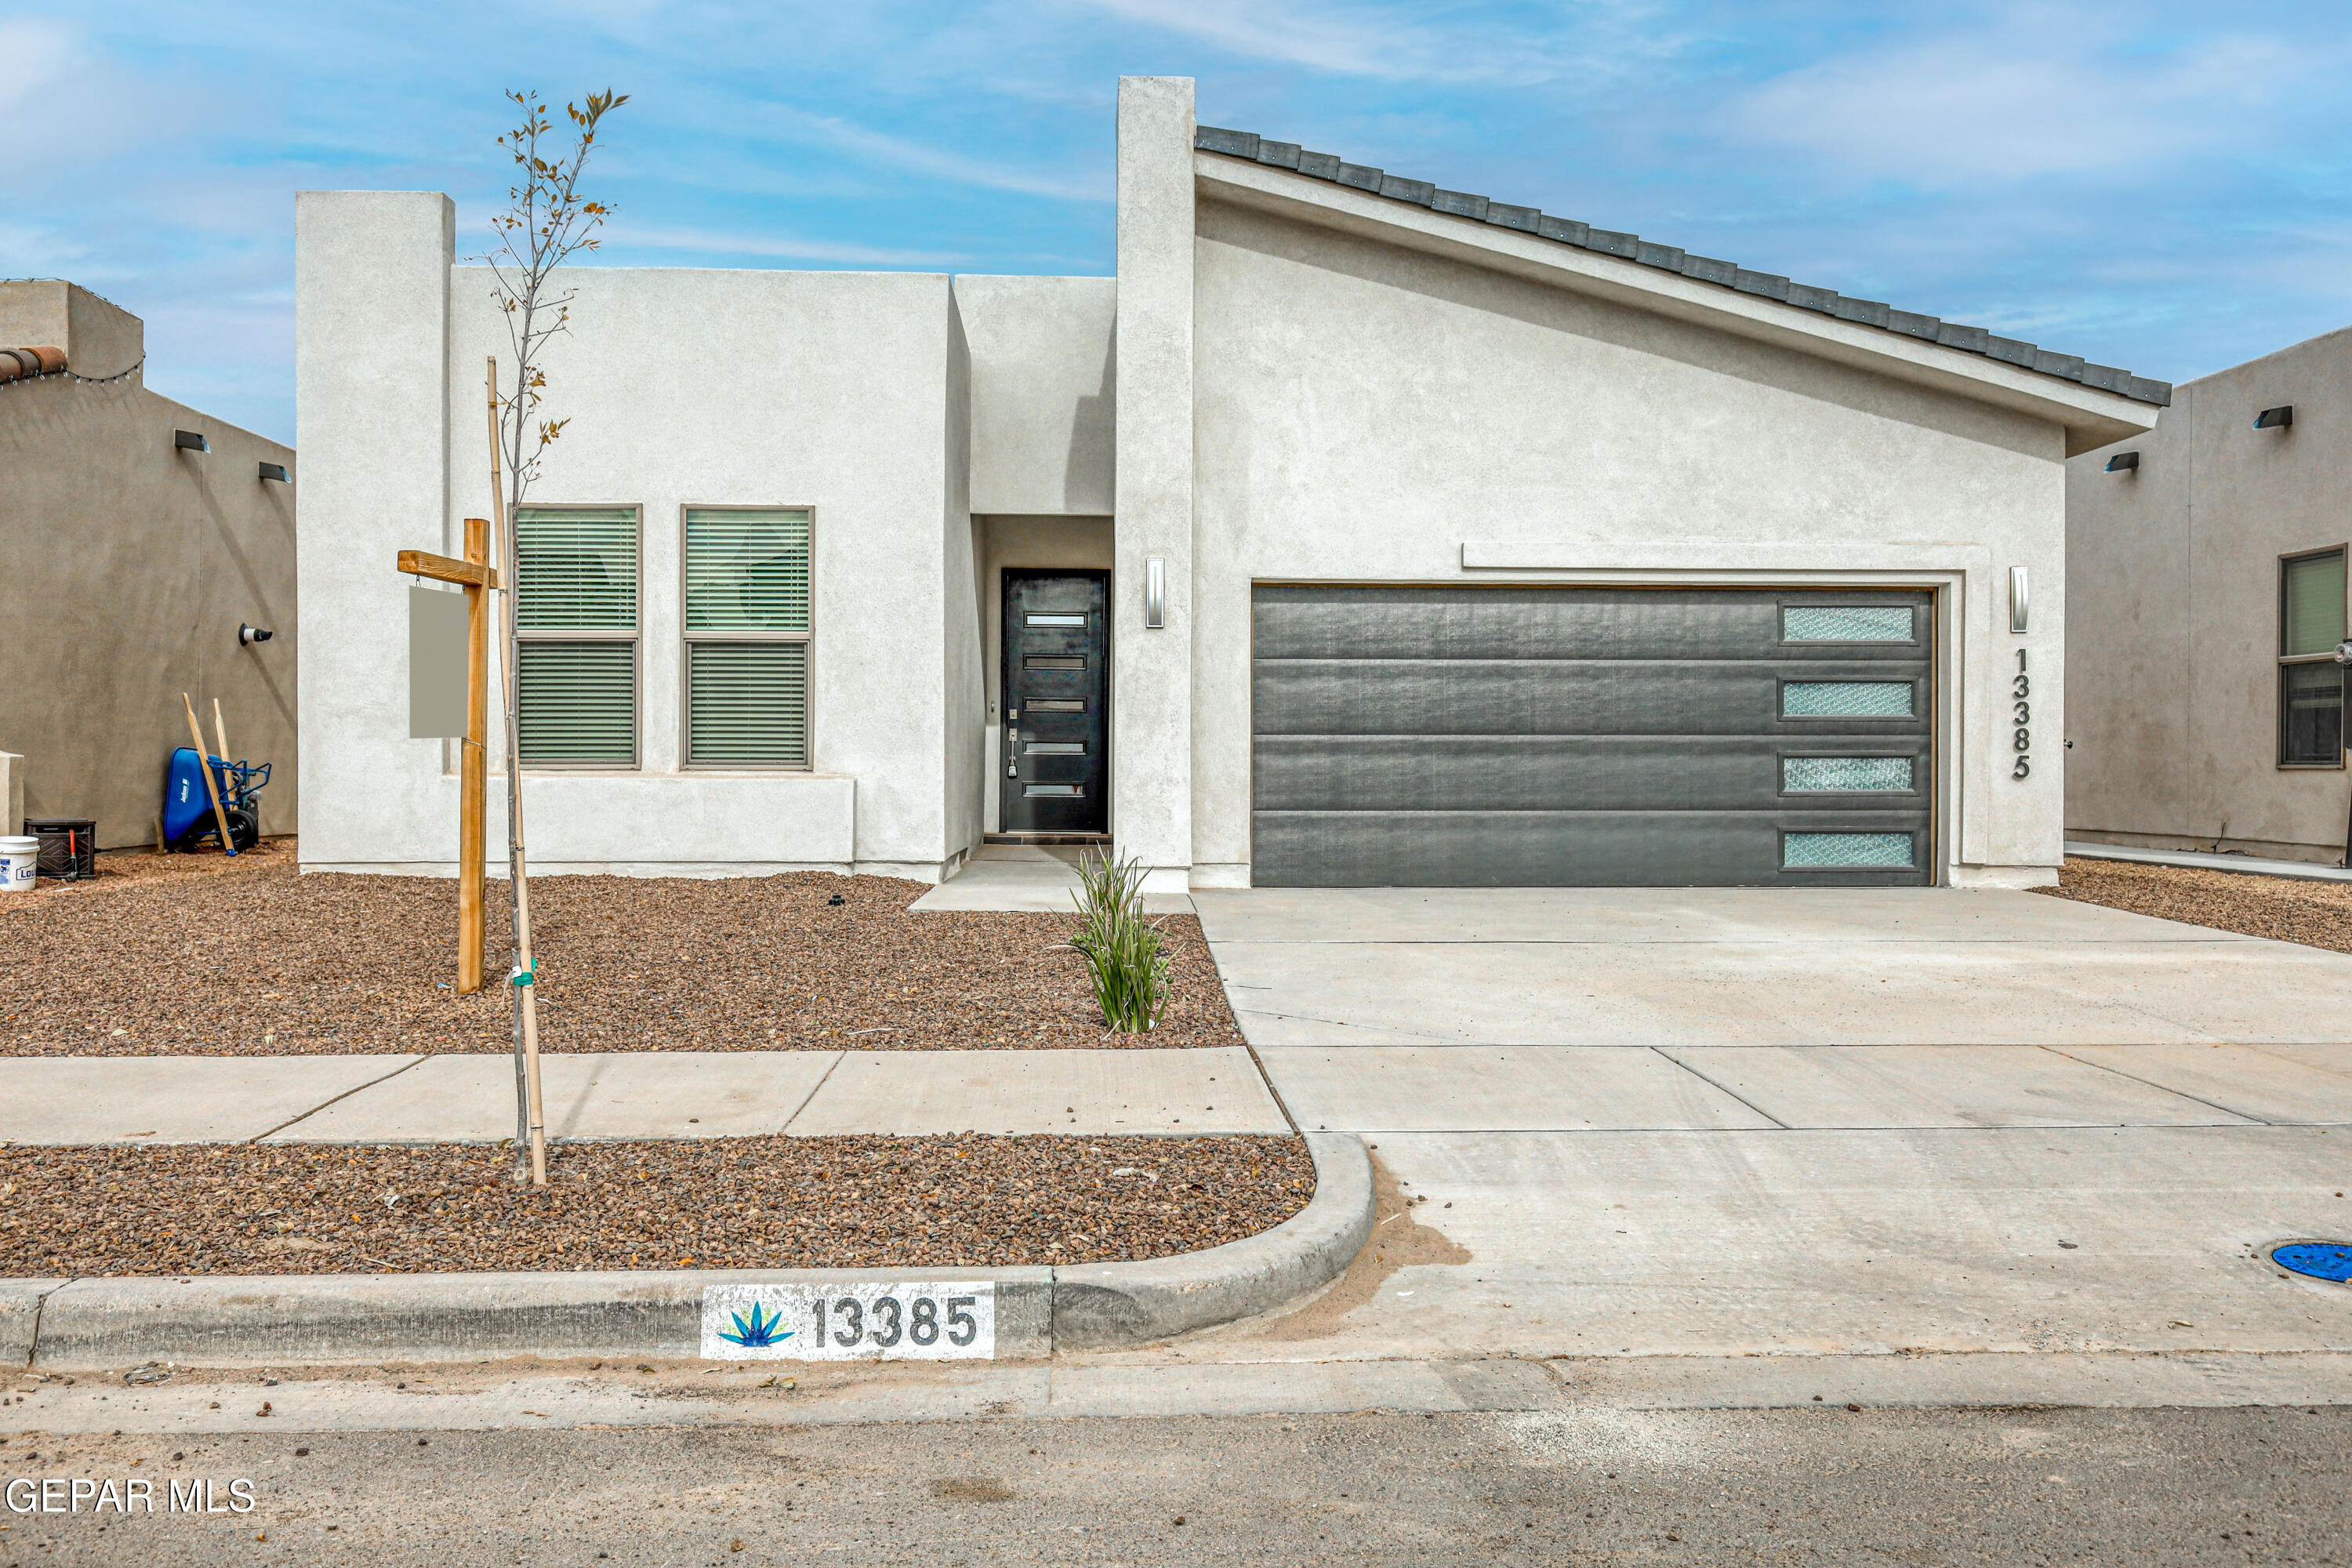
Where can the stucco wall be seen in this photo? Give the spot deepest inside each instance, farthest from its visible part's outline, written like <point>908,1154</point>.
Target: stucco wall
<point>683,387</point>
<point>126,566</point>
<point>1042,388</point>
<point>2173,658</point>
<point>1369,411</point>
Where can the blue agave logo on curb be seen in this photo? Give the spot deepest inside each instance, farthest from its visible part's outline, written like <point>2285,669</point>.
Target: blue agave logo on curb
<point>758,1334</point>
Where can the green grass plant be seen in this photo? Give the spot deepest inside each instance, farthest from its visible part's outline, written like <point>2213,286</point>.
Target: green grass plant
<point>1122,950</point>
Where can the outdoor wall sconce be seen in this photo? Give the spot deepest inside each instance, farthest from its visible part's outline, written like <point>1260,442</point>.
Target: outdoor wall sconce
<point>275,471</point>
<point>190,441</point>
<point>1155,592</point>
<point>2277,418</point>
<point>2017,598</point>
<point>247,636</point>
<point>2122,462</point>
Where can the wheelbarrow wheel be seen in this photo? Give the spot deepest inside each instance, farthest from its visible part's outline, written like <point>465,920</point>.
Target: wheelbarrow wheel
<point>244,829</point>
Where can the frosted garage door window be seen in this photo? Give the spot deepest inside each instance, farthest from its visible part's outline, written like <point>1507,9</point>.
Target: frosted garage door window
<point>1845,849</point>
<point>1803,774</point>
<point>1845,623</point>
<point>1845,700</point>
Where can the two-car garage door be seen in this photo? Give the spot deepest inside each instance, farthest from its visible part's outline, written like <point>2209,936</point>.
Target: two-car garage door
<point>1516,736</point>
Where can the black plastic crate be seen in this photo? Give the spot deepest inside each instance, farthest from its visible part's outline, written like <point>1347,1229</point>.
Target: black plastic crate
<point>69,847</point>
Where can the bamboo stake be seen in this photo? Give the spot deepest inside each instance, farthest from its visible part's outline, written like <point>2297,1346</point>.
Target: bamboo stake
<point>532,1132</point>
<point>205,767</point>
<point>471,783</point>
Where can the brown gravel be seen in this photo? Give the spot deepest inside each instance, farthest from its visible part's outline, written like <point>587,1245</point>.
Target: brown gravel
<point>200,955</point>
<point>735,1202</point>
<point>2316,914</point>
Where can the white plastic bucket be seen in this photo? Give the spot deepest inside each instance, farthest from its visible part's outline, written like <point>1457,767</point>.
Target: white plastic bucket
<point>19,863</point>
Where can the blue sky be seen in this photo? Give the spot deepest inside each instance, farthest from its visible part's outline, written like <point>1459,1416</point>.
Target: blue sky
<point>2163,185</point>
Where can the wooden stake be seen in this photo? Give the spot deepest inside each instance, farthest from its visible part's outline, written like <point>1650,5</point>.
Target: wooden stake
<point>205,767</point>
<point>471,776</point>
<point>530,1104</point>
<point>220,730</point>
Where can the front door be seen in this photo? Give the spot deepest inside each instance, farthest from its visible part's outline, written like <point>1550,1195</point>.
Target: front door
<point>1056,775</point>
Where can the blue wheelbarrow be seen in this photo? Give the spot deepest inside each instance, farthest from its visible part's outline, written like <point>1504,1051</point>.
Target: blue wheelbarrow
<point>188,811</point>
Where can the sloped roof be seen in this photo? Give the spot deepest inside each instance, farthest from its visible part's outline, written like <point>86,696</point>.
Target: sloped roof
<point>1703,268</point>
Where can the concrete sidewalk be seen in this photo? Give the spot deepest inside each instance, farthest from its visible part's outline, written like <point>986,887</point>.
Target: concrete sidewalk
<point>1037,879</point>
<point>631,1094</point>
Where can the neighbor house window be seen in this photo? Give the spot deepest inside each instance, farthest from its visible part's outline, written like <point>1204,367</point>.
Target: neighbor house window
<point>747,636</point>
<point>576,619</point>
<point>2311,683</point>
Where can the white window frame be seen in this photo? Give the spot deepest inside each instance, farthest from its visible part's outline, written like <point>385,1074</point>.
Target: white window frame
<point>686,637</point>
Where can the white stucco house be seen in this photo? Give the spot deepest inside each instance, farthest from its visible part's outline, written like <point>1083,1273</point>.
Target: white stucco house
<point>1357,532</point>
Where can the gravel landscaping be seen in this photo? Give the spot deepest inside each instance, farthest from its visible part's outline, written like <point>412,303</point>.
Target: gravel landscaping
<point>738,1203</point>
<point>200,955</point>
<point>2316,914</point>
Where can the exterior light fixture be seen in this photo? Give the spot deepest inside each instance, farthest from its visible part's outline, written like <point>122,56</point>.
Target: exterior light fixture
<point>190,441</point>
<point>2277,418</point>
<point>1155,592</point>
<point>247,636</point>
<point>2017,598</point>
<point>2122,462</point>
<point>275,471</point>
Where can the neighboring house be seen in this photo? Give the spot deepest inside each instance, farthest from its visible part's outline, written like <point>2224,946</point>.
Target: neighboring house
<point>2207,559</point>
<point>1357,532</point>
<point>129,558</point>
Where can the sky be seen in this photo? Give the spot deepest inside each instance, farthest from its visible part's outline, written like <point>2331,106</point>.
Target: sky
<point>2161,185</point>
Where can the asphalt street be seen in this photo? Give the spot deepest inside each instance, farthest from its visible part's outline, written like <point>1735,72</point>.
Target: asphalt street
<point>1829,1485</point>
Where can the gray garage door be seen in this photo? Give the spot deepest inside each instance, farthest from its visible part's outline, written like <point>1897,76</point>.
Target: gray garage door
<point>1591,737</point>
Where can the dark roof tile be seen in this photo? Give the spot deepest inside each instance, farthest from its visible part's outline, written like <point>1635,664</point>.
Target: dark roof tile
<point>1706,269</point>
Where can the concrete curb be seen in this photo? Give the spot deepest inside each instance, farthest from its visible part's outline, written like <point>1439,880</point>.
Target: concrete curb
<point>320,1319</point>
<point>1102,1304</point>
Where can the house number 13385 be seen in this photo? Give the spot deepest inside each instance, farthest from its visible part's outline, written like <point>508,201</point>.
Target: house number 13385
<point>2021,714</point>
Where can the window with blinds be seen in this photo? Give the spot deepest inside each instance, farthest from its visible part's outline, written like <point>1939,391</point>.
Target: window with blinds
<point>576,621</point>
<point>747,631</point>
<point>2311,683</point>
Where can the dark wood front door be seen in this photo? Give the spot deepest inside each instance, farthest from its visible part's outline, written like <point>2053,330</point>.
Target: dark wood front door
<point>1056,775</point>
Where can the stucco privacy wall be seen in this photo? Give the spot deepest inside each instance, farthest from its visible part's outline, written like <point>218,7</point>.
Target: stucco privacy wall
<point>126,566</point>
<point>2173,657</point>
<point>1153,702</point>
<point>827,390</point>
<point>1372,412</point>
<point>1042,388</point>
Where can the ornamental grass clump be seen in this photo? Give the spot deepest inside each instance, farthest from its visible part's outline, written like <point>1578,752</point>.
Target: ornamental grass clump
<point>1121,948</point>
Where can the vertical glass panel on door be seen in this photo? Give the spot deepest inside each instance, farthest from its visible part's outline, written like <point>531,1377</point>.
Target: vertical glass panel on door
<point>747,570</point>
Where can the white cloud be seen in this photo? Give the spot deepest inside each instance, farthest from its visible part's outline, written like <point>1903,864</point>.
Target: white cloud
<point>781,247</point>
<point>1423,42</point>
<point>2030,95</point>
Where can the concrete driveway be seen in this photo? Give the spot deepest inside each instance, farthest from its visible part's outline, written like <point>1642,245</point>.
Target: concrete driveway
<point>1737,1123</point>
